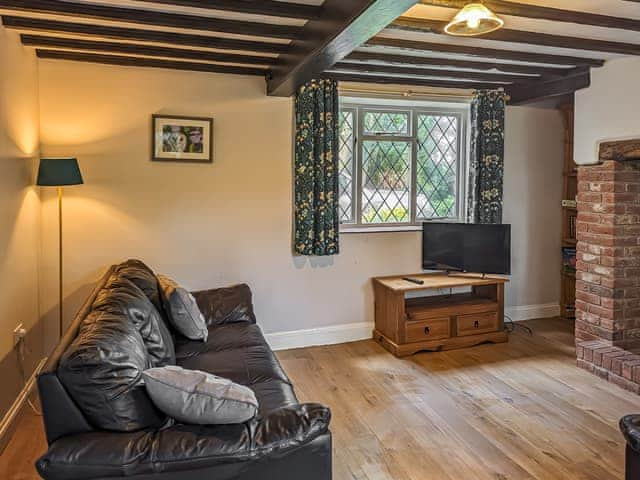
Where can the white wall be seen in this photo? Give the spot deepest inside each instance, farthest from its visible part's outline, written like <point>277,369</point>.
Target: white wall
<point>608,109</point>
<point>534,156</point>
<point>19,206</point>
<point>211,225</point>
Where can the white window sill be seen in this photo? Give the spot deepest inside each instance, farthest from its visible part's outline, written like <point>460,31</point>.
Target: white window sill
<point>380,229</point>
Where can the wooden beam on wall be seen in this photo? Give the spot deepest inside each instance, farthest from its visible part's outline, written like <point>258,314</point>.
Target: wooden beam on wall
<point>523,94</point>
<point>519,56</point>
<point>147,62</point>
<point>526,10</point>
<point>135,34</point>
<point>458,63</point>
<point>258,7</point>
<point>150,17</point>
<point>522,36</point>
<point>342,26</point>
<point>137,49</point>
<point>432,72</point>
<point>421,82</point>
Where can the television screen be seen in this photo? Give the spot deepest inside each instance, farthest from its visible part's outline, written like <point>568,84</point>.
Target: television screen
<point>466,247</point>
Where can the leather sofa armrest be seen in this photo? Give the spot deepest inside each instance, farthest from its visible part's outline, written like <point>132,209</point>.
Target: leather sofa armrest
<point>630,428</point>
<point>182,447</point>
<point>290,426</point>
<point>226,305</point>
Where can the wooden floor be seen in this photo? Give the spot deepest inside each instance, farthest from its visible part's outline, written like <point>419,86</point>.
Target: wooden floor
<point>521,410</point>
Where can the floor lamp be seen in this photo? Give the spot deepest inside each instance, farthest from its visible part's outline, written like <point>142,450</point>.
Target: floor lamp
<point>59,172</point>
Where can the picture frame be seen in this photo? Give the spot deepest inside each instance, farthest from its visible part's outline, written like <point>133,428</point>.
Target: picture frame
<point>181,139</point>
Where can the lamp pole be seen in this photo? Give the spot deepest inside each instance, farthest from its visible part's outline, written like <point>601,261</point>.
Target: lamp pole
<point>60,295</point>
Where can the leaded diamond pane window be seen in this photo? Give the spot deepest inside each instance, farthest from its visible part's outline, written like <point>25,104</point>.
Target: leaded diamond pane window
<point>346,165</point>
<point>386,123</point>
<point>436,166</point>
<point>401,165</point>
<point>386,176</point>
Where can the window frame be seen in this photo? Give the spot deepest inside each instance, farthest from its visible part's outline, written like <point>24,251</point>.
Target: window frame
<point>358,107</point>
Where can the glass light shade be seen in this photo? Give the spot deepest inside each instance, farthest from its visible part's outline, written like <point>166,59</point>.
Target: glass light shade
<point>474,19</point>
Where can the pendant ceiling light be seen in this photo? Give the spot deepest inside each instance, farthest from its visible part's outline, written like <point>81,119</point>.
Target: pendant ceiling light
<point>474,19</point>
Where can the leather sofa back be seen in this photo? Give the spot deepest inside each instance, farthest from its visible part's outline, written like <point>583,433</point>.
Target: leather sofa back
<point>93,378</point>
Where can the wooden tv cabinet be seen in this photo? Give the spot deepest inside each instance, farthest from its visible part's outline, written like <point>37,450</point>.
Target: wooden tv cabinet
<point>442,321</point>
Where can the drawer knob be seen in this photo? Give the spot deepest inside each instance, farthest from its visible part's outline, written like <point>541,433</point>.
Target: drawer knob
<point>427,330</point>
<point>476,324</point>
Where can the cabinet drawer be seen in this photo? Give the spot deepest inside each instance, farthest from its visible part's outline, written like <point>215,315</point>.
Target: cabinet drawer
<point>477,323</point>
<point>433,329</point>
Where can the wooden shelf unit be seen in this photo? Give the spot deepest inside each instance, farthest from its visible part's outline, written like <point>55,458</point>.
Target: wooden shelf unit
<point>569,216</point>
<point>405,326</point>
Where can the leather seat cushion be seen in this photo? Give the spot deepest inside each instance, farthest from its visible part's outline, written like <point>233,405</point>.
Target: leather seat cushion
<point>223,337</point>
<point>240,353</point>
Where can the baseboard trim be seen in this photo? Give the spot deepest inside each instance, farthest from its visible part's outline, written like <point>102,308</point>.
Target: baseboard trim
<point>529,312</point>
<point>352,332</point>
<point>348,332</point>
<point>7,425</point>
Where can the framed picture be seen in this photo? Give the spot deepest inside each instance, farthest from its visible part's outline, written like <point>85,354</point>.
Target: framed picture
<point>182,139</point>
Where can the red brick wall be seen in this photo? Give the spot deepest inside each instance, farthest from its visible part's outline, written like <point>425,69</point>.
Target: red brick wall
<point>608,254</point>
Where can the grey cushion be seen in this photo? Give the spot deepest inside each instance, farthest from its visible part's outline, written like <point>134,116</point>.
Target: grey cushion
<point>195,397</point>
<point>182,310</point>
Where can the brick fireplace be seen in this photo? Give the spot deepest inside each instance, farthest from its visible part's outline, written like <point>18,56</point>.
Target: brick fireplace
<point>608,265</point>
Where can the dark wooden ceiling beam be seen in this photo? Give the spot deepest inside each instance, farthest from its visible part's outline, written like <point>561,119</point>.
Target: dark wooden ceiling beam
<point>517,9</point>
<point>457,63</point>
<point>150,17</point>
<point>522,94</point>
<point>137,49</point>
<point>134,34</point>
<point>421,82</point>
<point>258,7</point>
<point>485,52</point>
<point>432,72</point>
<point>342,26</point>
<point>522,36</point>
<point>147,62</point>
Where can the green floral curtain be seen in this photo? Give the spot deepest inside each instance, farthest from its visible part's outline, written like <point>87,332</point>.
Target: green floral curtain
<point>487,157</point>
<point>316,173</point>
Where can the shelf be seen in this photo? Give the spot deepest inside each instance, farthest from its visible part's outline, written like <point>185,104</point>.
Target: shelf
<point>436,301</point>
<point>570,241</point>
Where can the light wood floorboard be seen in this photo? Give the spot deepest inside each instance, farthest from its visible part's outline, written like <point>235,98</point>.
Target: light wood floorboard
<point>520,410</point>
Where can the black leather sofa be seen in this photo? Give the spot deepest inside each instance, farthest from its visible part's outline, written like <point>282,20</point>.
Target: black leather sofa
<point>630,427</point>
<point>287,440</point>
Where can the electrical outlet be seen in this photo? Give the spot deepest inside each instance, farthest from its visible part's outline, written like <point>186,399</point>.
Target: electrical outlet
<point>18,334</point>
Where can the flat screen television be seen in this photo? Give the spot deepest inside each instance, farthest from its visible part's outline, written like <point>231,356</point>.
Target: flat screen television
<point>466,247</point>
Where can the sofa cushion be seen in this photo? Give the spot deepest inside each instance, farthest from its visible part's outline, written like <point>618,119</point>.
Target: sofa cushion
<point>226,305</point>
<point>120,295</point>
<point>181,309</point>
<point>195,397</point>
<point>253,366</point>
<point>102,371</point>
<point>223,337</point>
<point>144,278</point>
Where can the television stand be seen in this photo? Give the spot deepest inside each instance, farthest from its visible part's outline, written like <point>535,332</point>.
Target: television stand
<point>405,326</point>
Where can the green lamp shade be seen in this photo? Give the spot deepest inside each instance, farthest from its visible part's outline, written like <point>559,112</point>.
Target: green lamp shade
<point>58,172</point>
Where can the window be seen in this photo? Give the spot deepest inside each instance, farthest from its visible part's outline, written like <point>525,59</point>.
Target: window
<point>401,165</point>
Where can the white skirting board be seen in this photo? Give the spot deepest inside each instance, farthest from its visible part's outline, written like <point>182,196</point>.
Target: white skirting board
<point>529,312</point>
<point>8,423</point>
<point>351,332</point>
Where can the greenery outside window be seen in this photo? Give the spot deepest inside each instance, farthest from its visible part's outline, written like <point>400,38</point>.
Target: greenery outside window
<point>401,164</point>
